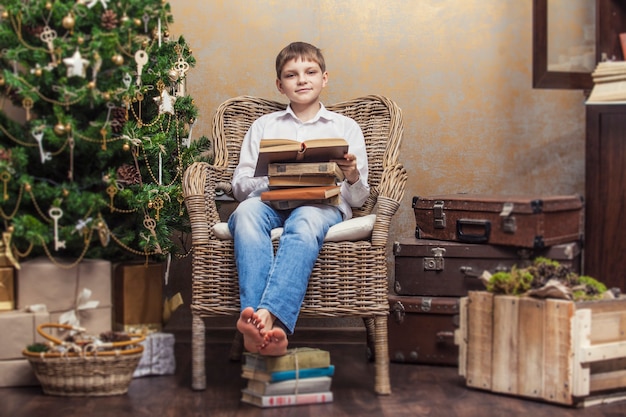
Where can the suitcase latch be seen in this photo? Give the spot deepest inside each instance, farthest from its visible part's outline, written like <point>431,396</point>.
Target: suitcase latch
<point>426,304</point>
<point>398,312</point>
<point>439,217</point>
<point>508,221</point>
<point>435,262</point>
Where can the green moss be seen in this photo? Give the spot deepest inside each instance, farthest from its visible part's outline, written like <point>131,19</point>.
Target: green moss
<point>37,347</point>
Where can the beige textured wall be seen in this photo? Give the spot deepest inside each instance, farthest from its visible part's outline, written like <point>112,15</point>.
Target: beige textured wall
<point>460,71</point>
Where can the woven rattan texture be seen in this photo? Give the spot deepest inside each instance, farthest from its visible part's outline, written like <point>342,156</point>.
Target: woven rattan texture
<point>349,278</point>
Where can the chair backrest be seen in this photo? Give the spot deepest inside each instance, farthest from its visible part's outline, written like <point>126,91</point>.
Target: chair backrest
<point>380,120</point>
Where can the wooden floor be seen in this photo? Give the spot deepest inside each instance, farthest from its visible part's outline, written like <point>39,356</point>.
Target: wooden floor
<point>418,390</point>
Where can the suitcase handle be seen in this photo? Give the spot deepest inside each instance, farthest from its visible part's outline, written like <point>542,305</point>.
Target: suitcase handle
<point>472,238</point>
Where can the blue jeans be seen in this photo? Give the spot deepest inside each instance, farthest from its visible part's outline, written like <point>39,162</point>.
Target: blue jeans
<point>278,282</point>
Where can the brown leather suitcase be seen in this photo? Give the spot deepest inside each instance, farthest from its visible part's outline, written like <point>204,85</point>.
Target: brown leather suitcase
<point>421,329</point>
<point>523,221</point>
<point>429,267</point>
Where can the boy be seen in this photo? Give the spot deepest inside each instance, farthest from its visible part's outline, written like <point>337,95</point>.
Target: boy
<point>272,287</point>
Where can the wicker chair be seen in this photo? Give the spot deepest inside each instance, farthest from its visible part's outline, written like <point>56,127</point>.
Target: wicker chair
<point>349,278</point>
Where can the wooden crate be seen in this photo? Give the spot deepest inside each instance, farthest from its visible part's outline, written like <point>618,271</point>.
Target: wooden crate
<point>551,350</point>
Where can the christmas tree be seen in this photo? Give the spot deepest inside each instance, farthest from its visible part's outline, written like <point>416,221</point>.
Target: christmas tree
<point>93,166</point>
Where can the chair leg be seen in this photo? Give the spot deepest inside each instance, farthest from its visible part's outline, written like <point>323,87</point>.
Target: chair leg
<point>370,330</point>
<point>198,346</point>
<point>236,348</point>
<point>382,384</point>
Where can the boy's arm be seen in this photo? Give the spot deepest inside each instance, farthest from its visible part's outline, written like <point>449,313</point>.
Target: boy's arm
<point>356,194</point>
<point>244,182</point>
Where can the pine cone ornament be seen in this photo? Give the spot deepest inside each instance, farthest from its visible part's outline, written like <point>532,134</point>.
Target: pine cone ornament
<point>109,20</point>
<point>5,155</point>
<point>119,119</point>
<point>128,174</point>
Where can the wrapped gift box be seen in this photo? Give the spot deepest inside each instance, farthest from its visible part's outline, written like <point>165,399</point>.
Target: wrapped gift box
<point>17,373</point>
<point>7,292</point>
<point>138,303</point>
<point>158,355</point>
<point>41,282</point>
<point>68,293</point>
<point>19,329</point>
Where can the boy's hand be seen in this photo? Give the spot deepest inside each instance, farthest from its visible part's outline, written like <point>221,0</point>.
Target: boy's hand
<point>348,166</point>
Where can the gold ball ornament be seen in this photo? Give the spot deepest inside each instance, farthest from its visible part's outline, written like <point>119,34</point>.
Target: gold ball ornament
<point>106,96</point>
<point>124,18</point>
<point>150,204</point>
<point>2,82</point>
<point>66,192</point>
<point>48,6</point>
<point>28,187</point>
<point>69,22</point>
<point>118,59</point>
<point>173,75</point>
<point>137,22</point>
<point>60,129</point>
<point>38,72</point>
<point>5,14</point>
<point>91,85</point>
<point>80,40</point>
<point>68,127</point>
<point>126,147</point>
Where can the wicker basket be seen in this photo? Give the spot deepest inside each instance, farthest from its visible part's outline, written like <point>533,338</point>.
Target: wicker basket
<point>86,370</point>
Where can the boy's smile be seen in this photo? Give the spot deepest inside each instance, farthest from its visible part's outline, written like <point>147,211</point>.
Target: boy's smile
<point>302,81</point>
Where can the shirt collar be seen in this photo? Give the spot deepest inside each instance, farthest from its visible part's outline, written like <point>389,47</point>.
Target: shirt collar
<point>323,113</point>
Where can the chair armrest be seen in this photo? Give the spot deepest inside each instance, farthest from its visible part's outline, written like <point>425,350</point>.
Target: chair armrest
<point>200,182</point>
<point>390,194</point>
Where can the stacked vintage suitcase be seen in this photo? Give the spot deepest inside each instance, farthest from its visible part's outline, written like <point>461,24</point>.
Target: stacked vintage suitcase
<point>457,237</point>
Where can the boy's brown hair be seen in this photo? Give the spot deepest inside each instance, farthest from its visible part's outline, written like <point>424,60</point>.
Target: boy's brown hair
<point>302,50</point>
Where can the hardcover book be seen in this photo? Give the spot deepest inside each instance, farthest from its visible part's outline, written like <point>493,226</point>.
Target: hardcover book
<point>301,193</point>
<point>297,358</point>
<point>301,181</point>
<point>288,150</point>
<point>317,169</point>
<point>266,401</point>
<point>302,386</point>
<point>291,204</point>
<point>251,373</point>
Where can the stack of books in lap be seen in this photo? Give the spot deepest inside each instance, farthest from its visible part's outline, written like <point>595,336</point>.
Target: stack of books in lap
<point>301,172</point>
<point>302,376</point>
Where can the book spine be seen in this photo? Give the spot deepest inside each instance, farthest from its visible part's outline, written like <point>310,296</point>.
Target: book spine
<point>300,399</point>
<point>302,373</point>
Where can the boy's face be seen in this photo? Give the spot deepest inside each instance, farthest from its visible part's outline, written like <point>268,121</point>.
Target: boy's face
<point>302,81</point>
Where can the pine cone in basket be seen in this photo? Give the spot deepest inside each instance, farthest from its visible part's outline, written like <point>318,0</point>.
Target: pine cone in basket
<point>112,337</point>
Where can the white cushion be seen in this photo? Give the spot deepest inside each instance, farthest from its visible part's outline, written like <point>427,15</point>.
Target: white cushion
<point>357,228</point>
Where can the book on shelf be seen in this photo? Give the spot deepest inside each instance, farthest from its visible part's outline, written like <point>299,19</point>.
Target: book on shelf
<point>288,150</point>
<point>264,376</point>
<point>266,401</point>
<point>295,358</point>
<point>606,93</point>
<point>301,193</point>
<point>609,83</point>
<point>290,386</point>
<point>305,169</point>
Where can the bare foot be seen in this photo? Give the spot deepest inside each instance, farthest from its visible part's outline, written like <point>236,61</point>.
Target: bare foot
<point>251,326</point>
<point>275,342</point>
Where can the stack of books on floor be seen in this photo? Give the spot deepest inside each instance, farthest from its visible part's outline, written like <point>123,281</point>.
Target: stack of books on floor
<point>609,80</point>
<point>302,376</point>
